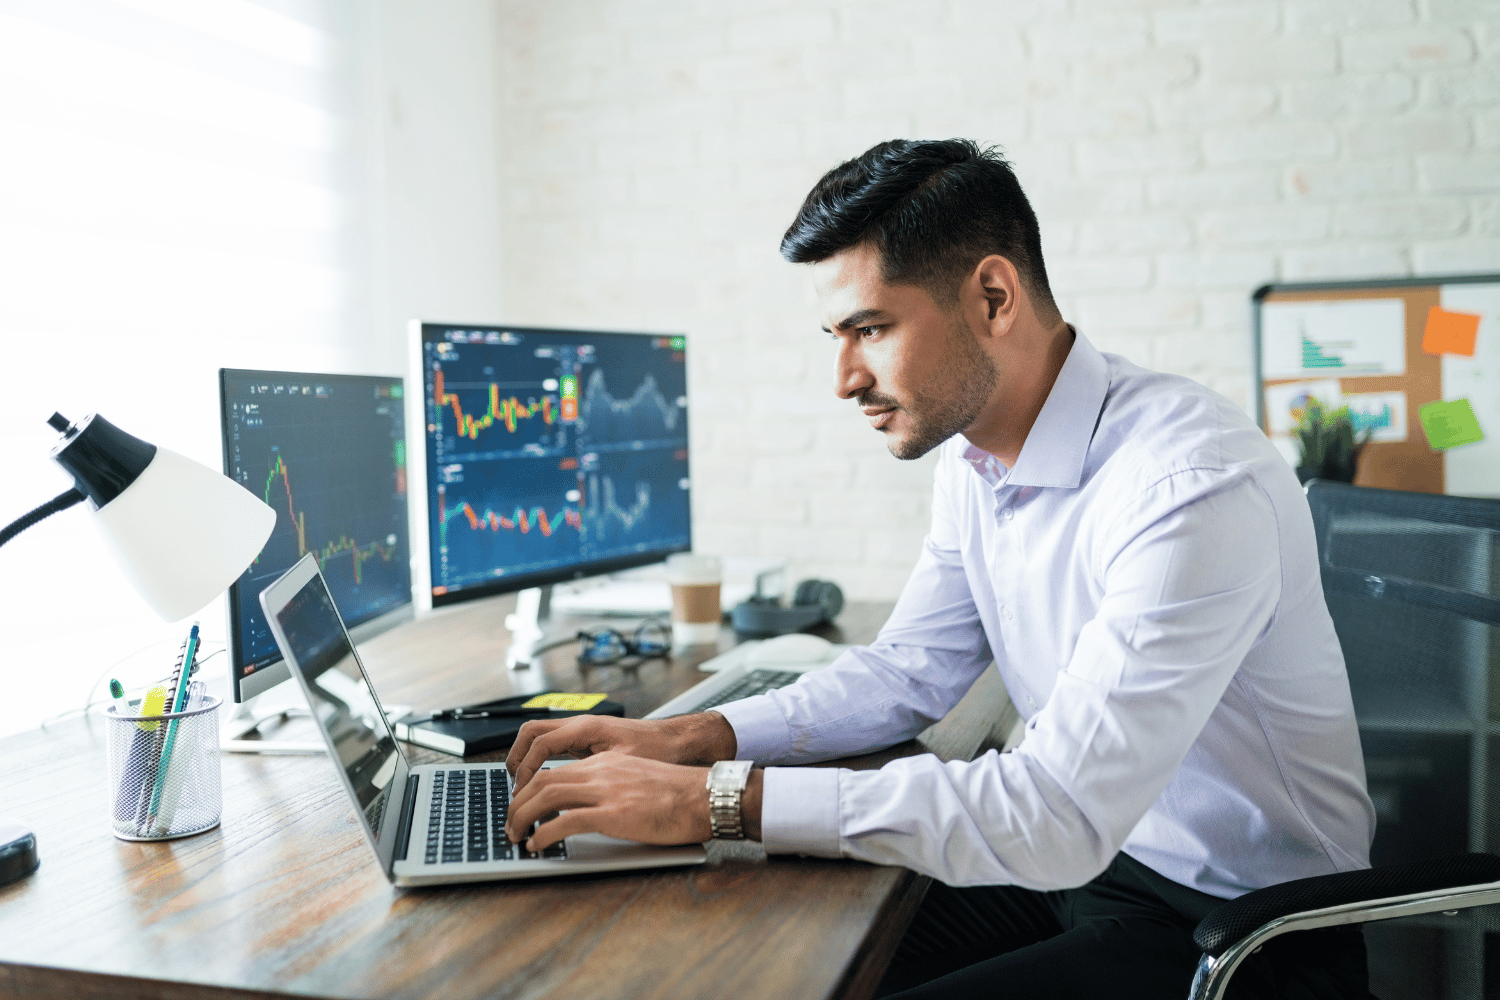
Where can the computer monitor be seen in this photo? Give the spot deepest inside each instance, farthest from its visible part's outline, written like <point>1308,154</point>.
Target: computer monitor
<point>328,452</point>
<point>552,455</point>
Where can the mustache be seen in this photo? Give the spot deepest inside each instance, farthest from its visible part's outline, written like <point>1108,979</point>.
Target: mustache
<point>876,399</point>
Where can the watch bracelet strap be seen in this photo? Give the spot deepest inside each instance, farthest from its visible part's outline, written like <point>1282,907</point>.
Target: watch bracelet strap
<point>726,814</point>
<point>726,818</point>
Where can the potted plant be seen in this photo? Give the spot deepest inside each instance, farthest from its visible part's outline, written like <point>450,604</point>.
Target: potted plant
<point>1329,447</point>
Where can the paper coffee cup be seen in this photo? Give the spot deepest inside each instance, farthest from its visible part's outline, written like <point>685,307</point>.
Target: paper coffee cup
<point>696,609</point>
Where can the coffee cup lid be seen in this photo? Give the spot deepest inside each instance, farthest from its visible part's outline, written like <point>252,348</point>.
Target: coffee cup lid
<point>689,567</point>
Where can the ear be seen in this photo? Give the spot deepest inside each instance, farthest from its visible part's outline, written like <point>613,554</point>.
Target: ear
<point>998,289</point>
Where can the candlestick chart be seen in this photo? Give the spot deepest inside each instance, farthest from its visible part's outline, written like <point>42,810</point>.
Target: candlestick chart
<point>343,546</point>
<point>492,521</point>
<point>533,416</point>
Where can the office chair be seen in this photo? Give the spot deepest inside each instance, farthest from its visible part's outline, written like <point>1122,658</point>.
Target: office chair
<point>1412,582</point>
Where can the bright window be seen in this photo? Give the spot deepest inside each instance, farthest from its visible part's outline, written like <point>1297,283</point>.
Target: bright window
<point>180,189</point>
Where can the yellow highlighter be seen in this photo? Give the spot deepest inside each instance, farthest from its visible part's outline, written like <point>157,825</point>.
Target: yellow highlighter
<point>153,704</point>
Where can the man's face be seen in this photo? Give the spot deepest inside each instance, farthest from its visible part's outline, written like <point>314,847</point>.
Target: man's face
<point>913,366</point>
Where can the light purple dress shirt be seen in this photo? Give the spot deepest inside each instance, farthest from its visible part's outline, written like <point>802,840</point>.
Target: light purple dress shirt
<point>1146,581</point>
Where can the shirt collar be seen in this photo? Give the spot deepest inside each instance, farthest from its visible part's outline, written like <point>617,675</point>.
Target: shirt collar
<point>1058,443</point>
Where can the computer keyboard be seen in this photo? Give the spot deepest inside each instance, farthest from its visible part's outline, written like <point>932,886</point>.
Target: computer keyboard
<point>755,682</point>
<point>466,819</point>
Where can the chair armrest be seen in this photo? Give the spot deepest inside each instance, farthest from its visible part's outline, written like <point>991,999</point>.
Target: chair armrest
<point>1237,918</point>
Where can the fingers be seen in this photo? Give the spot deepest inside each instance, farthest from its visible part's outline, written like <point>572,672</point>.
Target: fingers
<point>565,825</point>
<point>575,737</point>
<point>552,791</point>
<point>612,793</point>
<point>529,732</point>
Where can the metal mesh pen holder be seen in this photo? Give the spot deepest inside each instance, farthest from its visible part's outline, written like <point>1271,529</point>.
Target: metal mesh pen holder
<point>164,773</point>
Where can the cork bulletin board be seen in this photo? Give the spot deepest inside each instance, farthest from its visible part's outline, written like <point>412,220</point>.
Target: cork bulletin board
<point>1416,360</point>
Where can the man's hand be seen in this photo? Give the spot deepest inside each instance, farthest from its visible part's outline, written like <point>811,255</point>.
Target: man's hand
<point>689,739</point>
<point>622,796</point>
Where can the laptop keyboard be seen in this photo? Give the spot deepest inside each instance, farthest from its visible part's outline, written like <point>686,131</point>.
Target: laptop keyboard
<point>755,682</point>
<point>466,819</point>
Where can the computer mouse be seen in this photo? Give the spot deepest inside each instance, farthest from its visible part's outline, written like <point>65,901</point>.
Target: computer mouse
<point>798,647</point>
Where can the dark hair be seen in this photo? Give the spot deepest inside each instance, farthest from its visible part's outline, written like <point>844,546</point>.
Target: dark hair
<point>934,209</point>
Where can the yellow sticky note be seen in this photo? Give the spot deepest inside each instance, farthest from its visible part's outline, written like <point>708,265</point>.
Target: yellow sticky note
<point>566,702</point>
<point>1450,332</point>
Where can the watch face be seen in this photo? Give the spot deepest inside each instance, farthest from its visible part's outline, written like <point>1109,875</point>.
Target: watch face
<point>729,774</point>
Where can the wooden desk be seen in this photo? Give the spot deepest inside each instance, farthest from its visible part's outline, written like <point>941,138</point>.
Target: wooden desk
<point>284,898</point>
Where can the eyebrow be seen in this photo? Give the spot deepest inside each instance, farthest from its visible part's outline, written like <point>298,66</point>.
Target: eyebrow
<point>854,319</point>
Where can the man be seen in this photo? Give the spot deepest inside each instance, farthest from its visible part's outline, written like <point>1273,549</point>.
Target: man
<point>1135,558</point>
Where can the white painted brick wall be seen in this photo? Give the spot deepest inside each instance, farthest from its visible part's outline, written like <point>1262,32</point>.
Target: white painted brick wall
<point>1179,154</point>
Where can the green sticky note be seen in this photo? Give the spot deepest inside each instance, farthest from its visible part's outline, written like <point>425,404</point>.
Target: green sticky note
<point>1449,423</point>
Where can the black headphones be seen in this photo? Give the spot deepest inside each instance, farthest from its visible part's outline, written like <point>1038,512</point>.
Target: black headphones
<point>813,602</point>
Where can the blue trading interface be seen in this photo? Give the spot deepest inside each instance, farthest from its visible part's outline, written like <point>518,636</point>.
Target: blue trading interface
<point>328,453</point>
<point>551,454</point>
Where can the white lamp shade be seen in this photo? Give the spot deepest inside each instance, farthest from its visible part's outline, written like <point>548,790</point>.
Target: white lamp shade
<point>182,533</point>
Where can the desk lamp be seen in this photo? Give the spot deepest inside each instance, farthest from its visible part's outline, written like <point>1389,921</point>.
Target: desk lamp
<point>180,532</point>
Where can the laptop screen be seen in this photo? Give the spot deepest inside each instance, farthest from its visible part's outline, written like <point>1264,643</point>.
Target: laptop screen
<point>341,698</point>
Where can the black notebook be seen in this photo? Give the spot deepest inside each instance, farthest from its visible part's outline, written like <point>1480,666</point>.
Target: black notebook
<point>466,737</point>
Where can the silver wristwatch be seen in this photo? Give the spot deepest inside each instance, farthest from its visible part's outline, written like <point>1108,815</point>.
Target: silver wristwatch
<point>726,786</point>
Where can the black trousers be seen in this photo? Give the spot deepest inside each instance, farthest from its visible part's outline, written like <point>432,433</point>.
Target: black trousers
<point>1128,933</point>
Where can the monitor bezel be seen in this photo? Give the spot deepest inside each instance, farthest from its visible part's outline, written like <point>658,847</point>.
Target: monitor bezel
<point>244,686</point>
<point>581,571</point>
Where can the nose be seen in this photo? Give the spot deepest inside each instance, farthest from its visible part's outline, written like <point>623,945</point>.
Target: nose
<point>850,376</point>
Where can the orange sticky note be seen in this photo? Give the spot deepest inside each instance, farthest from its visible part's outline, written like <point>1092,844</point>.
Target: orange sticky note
<point>1449,332</point>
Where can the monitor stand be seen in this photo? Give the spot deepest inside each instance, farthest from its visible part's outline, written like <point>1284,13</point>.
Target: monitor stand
<point>531,631</point>
<point>248,716</point>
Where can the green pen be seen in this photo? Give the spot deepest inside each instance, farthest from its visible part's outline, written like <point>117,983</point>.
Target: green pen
<point>117,692</point>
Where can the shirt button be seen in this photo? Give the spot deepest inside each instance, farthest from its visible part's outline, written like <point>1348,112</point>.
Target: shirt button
<point>1009,513</point>
<point>1031,701</point>
<point>1007,613</point>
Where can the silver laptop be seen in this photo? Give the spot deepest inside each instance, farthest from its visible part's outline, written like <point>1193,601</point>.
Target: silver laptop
<point>433,823</point>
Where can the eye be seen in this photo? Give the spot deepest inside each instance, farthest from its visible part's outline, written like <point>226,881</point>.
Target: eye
<point>868,331</point>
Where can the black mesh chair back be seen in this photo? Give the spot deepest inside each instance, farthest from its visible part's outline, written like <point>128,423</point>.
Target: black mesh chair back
<point>1412,581</point>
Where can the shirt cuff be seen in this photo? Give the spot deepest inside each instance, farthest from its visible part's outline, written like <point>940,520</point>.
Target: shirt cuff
<point>760,730</point>
<point>799,811</point>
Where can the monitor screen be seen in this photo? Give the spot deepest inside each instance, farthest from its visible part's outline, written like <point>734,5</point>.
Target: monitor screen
<point>328,453</point>
<point>551,455</point>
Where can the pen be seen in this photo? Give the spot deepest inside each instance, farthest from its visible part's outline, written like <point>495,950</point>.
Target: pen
<point>459,714</point>
<point>117,692</point>
<point>178,692</point>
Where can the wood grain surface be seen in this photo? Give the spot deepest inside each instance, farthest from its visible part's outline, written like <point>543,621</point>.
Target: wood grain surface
<point>285,898</point>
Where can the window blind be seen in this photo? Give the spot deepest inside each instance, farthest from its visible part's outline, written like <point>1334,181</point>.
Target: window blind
<point>181,187</point>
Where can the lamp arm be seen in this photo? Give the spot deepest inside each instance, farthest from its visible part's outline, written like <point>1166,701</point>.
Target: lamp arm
<point>58,503</point>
